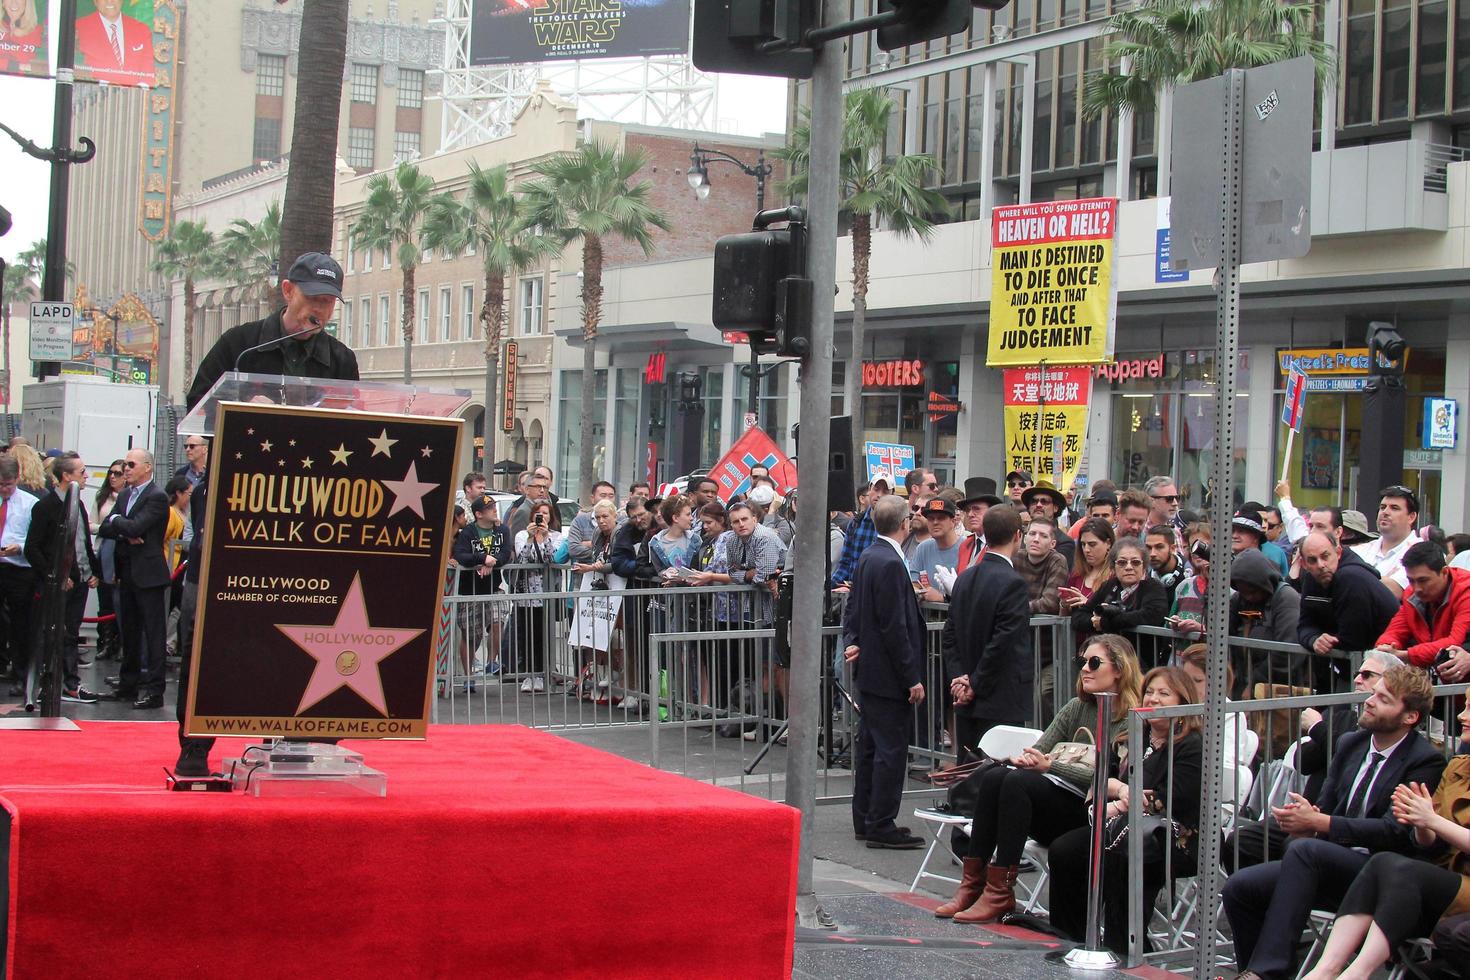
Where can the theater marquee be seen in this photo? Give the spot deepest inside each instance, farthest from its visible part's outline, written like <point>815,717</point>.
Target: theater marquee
<point>324,556</point>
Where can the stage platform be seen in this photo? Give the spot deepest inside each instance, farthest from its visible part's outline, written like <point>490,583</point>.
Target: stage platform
<point>498,851</point>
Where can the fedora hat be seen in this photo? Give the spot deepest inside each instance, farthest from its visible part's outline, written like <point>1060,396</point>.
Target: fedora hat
<point>1043,488</point>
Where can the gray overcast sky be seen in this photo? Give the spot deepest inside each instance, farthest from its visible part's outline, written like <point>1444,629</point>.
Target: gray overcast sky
<point>748,105</point>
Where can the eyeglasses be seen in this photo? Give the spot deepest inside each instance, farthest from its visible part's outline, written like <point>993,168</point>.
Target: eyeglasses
<point>1368,675</point>
<point>129,465</point>
<point>1128,563</point>
<point>1272,525</point>
<point>1017,483</point>
<point>193,445</point>
<point>1172,498</point>
<point>114,472</point>
<point>934,484</point>
<point>1399,490</point>
<point>1091,663</point>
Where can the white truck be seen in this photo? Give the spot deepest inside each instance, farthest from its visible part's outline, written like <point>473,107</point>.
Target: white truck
<point>97,418</point>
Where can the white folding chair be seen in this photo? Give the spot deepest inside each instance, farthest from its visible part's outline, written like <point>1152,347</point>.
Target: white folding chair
<point>1038,857</point>
<point>938,822</point>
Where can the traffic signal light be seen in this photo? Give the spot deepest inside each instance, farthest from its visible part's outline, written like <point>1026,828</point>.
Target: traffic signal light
<point>761,287</point>
<point>754,37</point>
<point>925,20</point>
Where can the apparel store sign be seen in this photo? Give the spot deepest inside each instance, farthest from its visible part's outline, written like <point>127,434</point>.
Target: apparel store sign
<point>1046,421</point>
<point>323,573</point>
<point>155,203</point>
<point>1053,297</point>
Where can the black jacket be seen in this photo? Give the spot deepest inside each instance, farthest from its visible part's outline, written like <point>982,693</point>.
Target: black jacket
<point>1147,606</point>
<point>198,511</point>
<point>629,554</point>
<point>987,637</point>
<point>40,550</point>
<point>1356,607</point>
<point>327,357</point>
<point>141,566</point>
<point>1414,761</point>
<point>469,553</point>
<point>1183,780</point>
<point>882,618</point>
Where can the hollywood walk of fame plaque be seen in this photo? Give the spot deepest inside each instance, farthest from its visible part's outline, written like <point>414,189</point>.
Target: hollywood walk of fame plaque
<point>326,541</point>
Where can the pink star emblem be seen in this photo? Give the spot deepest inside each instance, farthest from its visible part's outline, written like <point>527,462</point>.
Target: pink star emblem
<point>408,493</point>
<point>348,652</point>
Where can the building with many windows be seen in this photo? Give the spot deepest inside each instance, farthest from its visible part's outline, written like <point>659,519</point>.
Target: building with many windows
<point>1389,200</point>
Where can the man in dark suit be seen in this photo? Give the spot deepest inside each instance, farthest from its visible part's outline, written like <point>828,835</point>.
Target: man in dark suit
<point>885,642</point>
<point>47,518</point>
<point>116,48</point>
<point>137,523</point>
<point>987,638</point>
<point>1268,905</point>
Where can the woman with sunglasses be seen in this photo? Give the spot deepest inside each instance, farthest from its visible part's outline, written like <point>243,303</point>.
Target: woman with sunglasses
<point>1127,600</point>
<point>1090,567</point>
<point>1171,788</point>
<point>107,632</point>
<point>1035,797</point>
<point>1398,897</point>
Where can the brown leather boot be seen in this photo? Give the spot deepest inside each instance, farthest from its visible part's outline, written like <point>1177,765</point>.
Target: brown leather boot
<point>972,884</point>
<point>998,899</point>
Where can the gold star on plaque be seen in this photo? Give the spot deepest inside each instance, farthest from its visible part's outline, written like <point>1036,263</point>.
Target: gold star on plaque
<point>427,452</point>
<point>291,443</point>
<point>340,454</point>
<point>382,444</point>
<point>265,447</point>
<point>280,462</point>
<point>306,463</point>
<point>239,455</point>
<point>250,432</point>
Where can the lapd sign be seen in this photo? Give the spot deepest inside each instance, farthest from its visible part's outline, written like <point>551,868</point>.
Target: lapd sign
<point>51,331</point>
<point>324,556</point>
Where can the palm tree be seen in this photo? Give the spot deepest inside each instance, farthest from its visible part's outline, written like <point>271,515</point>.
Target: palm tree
<point>187,252</point>
<point>870,184</point>
<point>248,250</point>
<point>1171,42</point>
<point>491,218</point>
<point>22,285</point>
<point>312,179</point>
<point>584,195</point>
<point>391,218</point>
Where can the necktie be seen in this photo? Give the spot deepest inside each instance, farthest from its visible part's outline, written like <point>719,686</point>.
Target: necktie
<point>1359,802</point>
<point>116,43</point>
<point>4,512</point>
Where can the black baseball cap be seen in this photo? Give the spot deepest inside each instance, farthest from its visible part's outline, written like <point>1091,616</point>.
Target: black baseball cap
<point>936,506</point>
<point>317,274</point>
<point>482,503</point>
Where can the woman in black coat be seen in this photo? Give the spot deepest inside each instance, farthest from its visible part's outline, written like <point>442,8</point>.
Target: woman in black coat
<point>1129,599</point>
<point>1171,782</point>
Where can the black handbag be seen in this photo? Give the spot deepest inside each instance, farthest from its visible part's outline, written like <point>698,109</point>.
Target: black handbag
<point>1156,831</point>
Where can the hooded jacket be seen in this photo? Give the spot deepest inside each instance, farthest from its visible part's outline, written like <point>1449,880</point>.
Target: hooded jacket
<point>1422,632</point>
<point>1355,607</point>
<point>1276,619</point>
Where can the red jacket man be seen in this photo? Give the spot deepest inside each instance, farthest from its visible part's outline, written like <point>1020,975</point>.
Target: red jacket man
<point>100,57</point>
<point>1435,612</point>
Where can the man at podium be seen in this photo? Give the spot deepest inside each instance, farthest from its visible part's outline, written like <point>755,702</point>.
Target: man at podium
<point>291,341</point>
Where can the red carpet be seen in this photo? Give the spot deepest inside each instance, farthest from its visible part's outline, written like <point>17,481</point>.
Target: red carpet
<point>499,851</point>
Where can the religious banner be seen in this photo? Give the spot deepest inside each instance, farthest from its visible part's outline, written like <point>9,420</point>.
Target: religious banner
<point>23,41</point>
<point>596,611</point>
<point>115,42</point>
<point>155,204</point>
<point>325,548</point>
<point>1053,297</point>
<point>754,448</point>
<point>1046,421</point>
<point>889,461</point>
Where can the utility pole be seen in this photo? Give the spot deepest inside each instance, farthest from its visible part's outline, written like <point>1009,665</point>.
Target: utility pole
<point>816,407</point>
<point>53,282</point>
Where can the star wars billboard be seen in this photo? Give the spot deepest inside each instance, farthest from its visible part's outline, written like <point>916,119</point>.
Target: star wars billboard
<point>507,32</point>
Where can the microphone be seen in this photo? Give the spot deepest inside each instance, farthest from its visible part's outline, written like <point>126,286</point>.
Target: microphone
<point>315,324</point>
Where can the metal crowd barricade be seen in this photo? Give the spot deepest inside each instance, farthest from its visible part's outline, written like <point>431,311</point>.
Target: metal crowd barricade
<point>1166,934</point>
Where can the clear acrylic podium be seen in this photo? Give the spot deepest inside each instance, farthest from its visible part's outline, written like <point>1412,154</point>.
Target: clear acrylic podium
<point>353,396</point>
<point>282,768</point>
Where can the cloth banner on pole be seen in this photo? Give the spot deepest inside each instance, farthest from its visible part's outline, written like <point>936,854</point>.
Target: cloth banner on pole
<point>1053,297</point>
<point>1046,419</point>
<point>755,448</point>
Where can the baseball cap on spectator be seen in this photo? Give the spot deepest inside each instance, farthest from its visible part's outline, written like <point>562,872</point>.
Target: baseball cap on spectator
<point>938,505</point>
<point>762,495</point>
<point>482,503</point>
<point>1019,473</point>
<point>317,274</point>
<point>1103,496</point>
<point>883,480</point>
<point>53,454</point>
<point>1355,528</point>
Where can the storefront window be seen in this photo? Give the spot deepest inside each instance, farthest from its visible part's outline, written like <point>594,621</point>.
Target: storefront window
<point>773,406</point>
<point>714,394</point>
<point>628,457</point>
<point>1164,422</point>
<point>568,470</point>
<point>1323,468</point>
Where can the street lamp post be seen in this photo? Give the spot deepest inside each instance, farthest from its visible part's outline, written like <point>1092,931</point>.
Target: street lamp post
<point>699,162</point>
